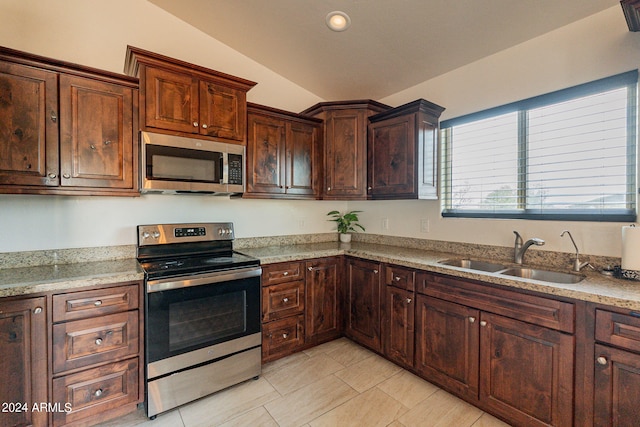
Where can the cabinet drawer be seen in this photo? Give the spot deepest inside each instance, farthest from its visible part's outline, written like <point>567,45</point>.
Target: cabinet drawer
<point>400,277</point>
<point>93,391</point>
<point>285,299</point>
<point>282,337</point>
<point>86,342</point>
<point>80,305</point>
<point>618,329</point>
<point>282,272</point>
<point>528,308</point>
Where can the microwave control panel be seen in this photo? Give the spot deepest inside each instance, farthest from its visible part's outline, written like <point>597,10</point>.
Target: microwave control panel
<point>235,169</point>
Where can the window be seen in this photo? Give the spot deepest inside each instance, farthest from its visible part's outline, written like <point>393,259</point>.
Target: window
<point>567,155</point>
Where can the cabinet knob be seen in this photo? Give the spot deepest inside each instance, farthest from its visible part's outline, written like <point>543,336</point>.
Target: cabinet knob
<point>107,142</point>
<point>285,299</point>
<point>375,271</point>
<point>52,175</point>
<point>483,323</point>
<point>99,341</point>
<point>328,188</point>
<point>54,117</point>
<point>472,319</point>
<point>369,188</point>
<point>310,268</point>
<point>98,303</point>
<point>66,176</point>
<point>285,336</point>
<point>37,310</point>
<point>204,126</point>
<point>98,392</point>
<point>195,124</point>
<point>408,300</point>
<point>397,278</point>
<point>286,273</point>
<point>93,147</point>
<point>602,360</point>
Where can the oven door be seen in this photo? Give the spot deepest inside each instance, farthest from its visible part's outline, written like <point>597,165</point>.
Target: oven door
<point>200,315</point>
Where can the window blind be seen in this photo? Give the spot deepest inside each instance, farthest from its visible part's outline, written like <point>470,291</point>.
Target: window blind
<point>568,155</point>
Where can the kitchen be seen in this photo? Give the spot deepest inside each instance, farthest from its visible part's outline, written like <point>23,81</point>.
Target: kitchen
<point>597,46</point>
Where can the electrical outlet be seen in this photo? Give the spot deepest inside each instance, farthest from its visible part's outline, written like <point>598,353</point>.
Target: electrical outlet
<point>424,225</point>
<point>385,223</point>
<point>301,223</point>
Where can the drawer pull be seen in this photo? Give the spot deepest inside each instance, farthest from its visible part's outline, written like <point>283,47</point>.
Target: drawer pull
<point>37,310</point>
<point>195,124</point>
<point>98,392</point>
<point>286,273</point>
<point>99,341</point>
<point>397,278</point>
<point>375,271</point>
<point>483,323</point>
<point>98,303</point>
<point>472,319</point>
<point>285,336</point>
<point>602,360</point>
<point>310,268</point>
<point>285,299</point>
<point>408,300</point>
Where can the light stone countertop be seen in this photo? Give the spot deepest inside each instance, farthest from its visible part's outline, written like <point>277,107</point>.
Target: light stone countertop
<point>46,278</point>
<point>594,288</point>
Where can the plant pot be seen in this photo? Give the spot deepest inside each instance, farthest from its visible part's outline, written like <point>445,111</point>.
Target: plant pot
<point>345,237</point>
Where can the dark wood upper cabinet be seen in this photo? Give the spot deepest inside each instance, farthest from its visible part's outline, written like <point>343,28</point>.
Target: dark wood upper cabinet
<point>631,10</point>
<point>283,154</point>
<point>345,146</point>
<point>65,128</point>
<point>189,100</point>
<point>402,152</point>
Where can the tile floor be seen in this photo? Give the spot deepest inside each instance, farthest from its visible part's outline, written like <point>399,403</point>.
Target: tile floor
<point>334,384</point>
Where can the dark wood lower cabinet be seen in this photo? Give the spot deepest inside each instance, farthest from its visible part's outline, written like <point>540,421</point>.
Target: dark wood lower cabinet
<point>398,325</point>
<point>23,362</point>
<point>363,302</point>
<point>322,310</point>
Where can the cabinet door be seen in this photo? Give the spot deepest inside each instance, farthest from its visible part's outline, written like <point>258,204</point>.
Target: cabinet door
<point>526,372</point>
<point>345,153</point>
<point>96,145</point>
<point>23,347</point>
<point>391,154</point>
<point>363,302</point>
<point>266,155</point>
<point>398,325</point>
<point>322,307</point>
<point>223,112</point>
<point>447,344</point>
<point>617,387</point>
<point>303,165</point>
<point>28,126</point>
<point>171,100</point>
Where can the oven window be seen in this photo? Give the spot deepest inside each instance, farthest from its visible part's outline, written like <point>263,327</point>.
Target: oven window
<point>205,320</point>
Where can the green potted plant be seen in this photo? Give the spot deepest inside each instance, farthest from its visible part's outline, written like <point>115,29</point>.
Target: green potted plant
<point>347,223</point>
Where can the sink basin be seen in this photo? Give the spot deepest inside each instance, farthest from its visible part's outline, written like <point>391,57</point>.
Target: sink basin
<point>542,275</point>
<point>473,264</point>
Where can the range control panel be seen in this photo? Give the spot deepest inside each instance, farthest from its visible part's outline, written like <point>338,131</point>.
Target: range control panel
<point>160,234</point>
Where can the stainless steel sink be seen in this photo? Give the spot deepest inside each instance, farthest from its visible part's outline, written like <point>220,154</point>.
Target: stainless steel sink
<point>473,264</point>
<point>542,275</point>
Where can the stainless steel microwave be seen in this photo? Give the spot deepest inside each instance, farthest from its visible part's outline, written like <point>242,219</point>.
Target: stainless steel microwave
<point>175,164</point>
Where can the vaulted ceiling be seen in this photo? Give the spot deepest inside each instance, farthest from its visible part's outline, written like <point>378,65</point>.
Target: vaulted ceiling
<point>391,44</point>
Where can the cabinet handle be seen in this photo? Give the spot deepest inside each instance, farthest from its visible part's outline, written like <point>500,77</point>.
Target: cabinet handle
<point>204,126</point>
<point>52,175</point>
<point>66,176</point>
<point>98,303</point>
<point>310,268</point>
<point>285,336</point>
<point>99,341</point>
<point>195,124</point>
<point>375,271</point>
<point>483,323</point>
<point>285,299</point>
<point>54,117</point>
<point>98,392</point>
<point>286,273</point>
<point>37,310</point>
<point>408,300</point>
<point>602,360</point>
<point>472,319</point>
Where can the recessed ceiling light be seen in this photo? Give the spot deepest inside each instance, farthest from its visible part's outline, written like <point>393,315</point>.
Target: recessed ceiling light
<point>338,21</point>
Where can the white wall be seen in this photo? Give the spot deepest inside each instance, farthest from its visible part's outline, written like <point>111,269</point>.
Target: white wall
<point>95,33</point>
<point>598,46</point>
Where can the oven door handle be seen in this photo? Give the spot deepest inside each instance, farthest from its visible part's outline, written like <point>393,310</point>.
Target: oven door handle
<point>202,279</point>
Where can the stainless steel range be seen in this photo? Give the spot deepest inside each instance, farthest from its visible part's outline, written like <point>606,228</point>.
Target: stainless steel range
<point>202,312</point>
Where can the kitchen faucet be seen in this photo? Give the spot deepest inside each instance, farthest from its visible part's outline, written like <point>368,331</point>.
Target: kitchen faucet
<point>577,265</point>
<point>520,248</point>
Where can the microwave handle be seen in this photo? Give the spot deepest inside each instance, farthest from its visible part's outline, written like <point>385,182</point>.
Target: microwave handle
<point>224,167</point>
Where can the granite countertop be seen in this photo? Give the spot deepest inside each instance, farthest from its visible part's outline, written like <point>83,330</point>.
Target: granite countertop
<point>595,287</point>
<point>46,278</point>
